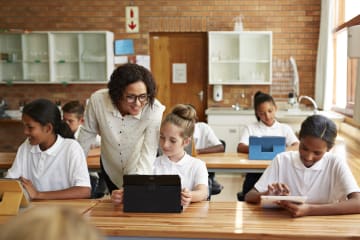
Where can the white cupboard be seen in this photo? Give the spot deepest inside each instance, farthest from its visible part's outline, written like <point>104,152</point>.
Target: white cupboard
<point>240,57</point>
<point>56,57</point>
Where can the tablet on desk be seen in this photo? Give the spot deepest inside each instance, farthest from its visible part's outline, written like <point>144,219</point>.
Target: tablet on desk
<point>152,193</point>
<point>13,196</point>
<point>266,147</point>
<point>268,201</point>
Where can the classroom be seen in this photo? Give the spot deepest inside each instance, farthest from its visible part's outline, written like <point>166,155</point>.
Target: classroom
<point>211,57</point>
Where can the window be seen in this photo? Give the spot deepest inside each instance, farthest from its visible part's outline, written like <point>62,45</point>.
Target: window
<point>344,67</point>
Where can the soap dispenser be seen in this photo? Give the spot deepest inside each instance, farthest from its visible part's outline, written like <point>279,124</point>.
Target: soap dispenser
<point>217,93</point>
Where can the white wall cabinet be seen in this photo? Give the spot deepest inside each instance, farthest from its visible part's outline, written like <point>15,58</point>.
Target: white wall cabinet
<point>56,57</point>
<point>240,57</point>
<point>228,125</point>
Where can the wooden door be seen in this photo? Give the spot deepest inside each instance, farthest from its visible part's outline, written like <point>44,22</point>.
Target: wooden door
<point>190,49</point>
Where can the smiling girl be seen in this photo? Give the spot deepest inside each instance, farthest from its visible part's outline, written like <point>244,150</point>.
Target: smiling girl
<point>176,133</point>
<point>323,177</point>
<point>50,163</point>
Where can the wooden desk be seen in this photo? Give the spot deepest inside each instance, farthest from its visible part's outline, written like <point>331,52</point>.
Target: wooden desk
<point>80,205</point>
<point>221,220</point>
<point>232,162</point>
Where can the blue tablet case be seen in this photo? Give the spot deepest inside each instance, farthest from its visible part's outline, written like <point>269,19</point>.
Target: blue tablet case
<point>152,193</point>
<point>265,148</point>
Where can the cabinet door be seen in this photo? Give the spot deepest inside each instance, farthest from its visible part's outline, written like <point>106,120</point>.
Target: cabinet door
<point>92,57</point>
<point>10,57</point>
<point>230,134</point>
<point>64,57</point>
<point>36,57</point>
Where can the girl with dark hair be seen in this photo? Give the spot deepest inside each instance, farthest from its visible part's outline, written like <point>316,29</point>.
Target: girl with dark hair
<point>266,125</point>
<point>176,133</point>
<point>127,117</point>
<point>50,163</point>
<point>323,177</point>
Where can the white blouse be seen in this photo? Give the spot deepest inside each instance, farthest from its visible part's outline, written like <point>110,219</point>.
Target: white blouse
<point>128,143</point>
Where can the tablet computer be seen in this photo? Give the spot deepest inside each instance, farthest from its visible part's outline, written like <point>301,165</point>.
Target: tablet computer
<point>268,201</point>
<point>13,196</point>
<point>266,147</point>
<point>152,193</point>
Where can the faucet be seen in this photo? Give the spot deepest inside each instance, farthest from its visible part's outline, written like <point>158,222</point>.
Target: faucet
<point>312,101</point>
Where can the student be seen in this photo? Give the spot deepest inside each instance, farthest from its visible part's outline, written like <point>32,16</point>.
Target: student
<point>127,117</point>
<point>207,142</point>
<point>50,163</point>
<point>313,171</point>
<point>265,109</point>
<point>45,223</point>
<point>73,115</point>
<point>175,133</point>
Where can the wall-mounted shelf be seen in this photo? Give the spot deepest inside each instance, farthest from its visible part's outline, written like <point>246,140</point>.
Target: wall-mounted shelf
<point>240,57</point>
<point>56,57</point>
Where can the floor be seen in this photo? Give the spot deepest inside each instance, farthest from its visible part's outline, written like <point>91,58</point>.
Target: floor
<point>232,184</point>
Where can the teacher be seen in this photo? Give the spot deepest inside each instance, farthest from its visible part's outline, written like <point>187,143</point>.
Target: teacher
<point>127,117</point>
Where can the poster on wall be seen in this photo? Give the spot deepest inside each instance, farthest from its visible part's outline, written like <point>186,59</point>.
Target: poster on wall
<point>132,19</point>
<point>179,73</point>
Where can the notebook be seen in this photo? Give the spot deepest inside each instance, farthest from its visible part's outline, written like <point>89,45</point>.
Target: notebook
<point>266,148</point>
<point>152,193</point>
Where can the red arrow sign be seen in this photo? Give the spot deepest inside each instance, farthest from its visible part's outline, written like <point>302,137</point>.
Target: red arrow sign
<point>132,25</point>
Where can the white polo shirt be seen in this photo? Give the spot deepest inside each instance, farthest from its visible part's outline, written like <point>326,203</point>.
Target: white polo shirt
<point>259,129</point>
<point>192,171</point>
<point>204,136</point>
<point>328,180</point>
<point>128,143</point>
<point>61,166</point>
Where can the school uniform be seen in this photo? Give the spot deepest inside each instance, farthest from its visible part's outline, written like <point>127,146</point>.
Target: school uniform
<point>61,166</point>
<point>204,136</point>
<point>192,171</point>
<point>259,129</point>
<point>327,181</point>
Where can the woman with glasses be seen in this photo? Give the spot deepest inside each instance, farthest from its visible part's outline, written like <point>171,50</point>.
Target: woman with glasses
<point>127,117</point>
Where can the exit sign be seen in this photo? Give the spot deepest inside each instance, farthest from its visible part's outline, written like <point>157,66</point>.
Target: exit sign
<point>132,19</point>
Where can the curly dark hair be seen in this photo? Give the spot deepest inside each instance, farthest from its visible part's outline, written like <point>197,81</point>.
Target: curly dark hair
<point>127,74</point>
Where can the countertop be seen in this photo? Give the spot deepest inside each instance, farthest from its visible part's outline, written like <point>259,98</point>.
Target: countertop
<point>281,115</point>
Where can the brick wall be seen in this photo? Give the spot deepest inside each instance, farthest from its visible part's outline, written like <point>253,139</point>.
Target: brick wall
<point>295,26</point>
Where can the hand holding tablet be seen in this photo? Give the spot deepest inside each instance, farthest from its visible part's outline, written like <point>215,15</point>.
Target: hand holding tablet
<point>269,201</point>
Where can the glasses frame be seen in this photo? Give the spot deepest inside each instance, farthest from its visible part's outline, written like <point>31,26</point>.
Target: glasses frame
<point>143,98</point>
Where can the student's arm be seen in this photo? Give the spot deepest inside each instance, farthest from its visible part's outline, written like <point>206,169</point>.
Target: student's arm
<point>69,193</point>
<point>199,193</point>
<point>242,148</point>
<point>213,149</point>
<point>275,189</point>
<point>350,206</point>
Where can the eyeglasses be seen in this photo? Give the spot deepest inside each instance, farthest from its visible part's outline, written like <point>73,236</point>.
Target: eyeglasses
<point>133,98</point>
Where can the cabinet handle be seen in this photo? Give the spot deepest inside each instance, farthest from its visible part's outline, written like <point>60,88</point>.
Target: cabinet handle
<point>232,130</point>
